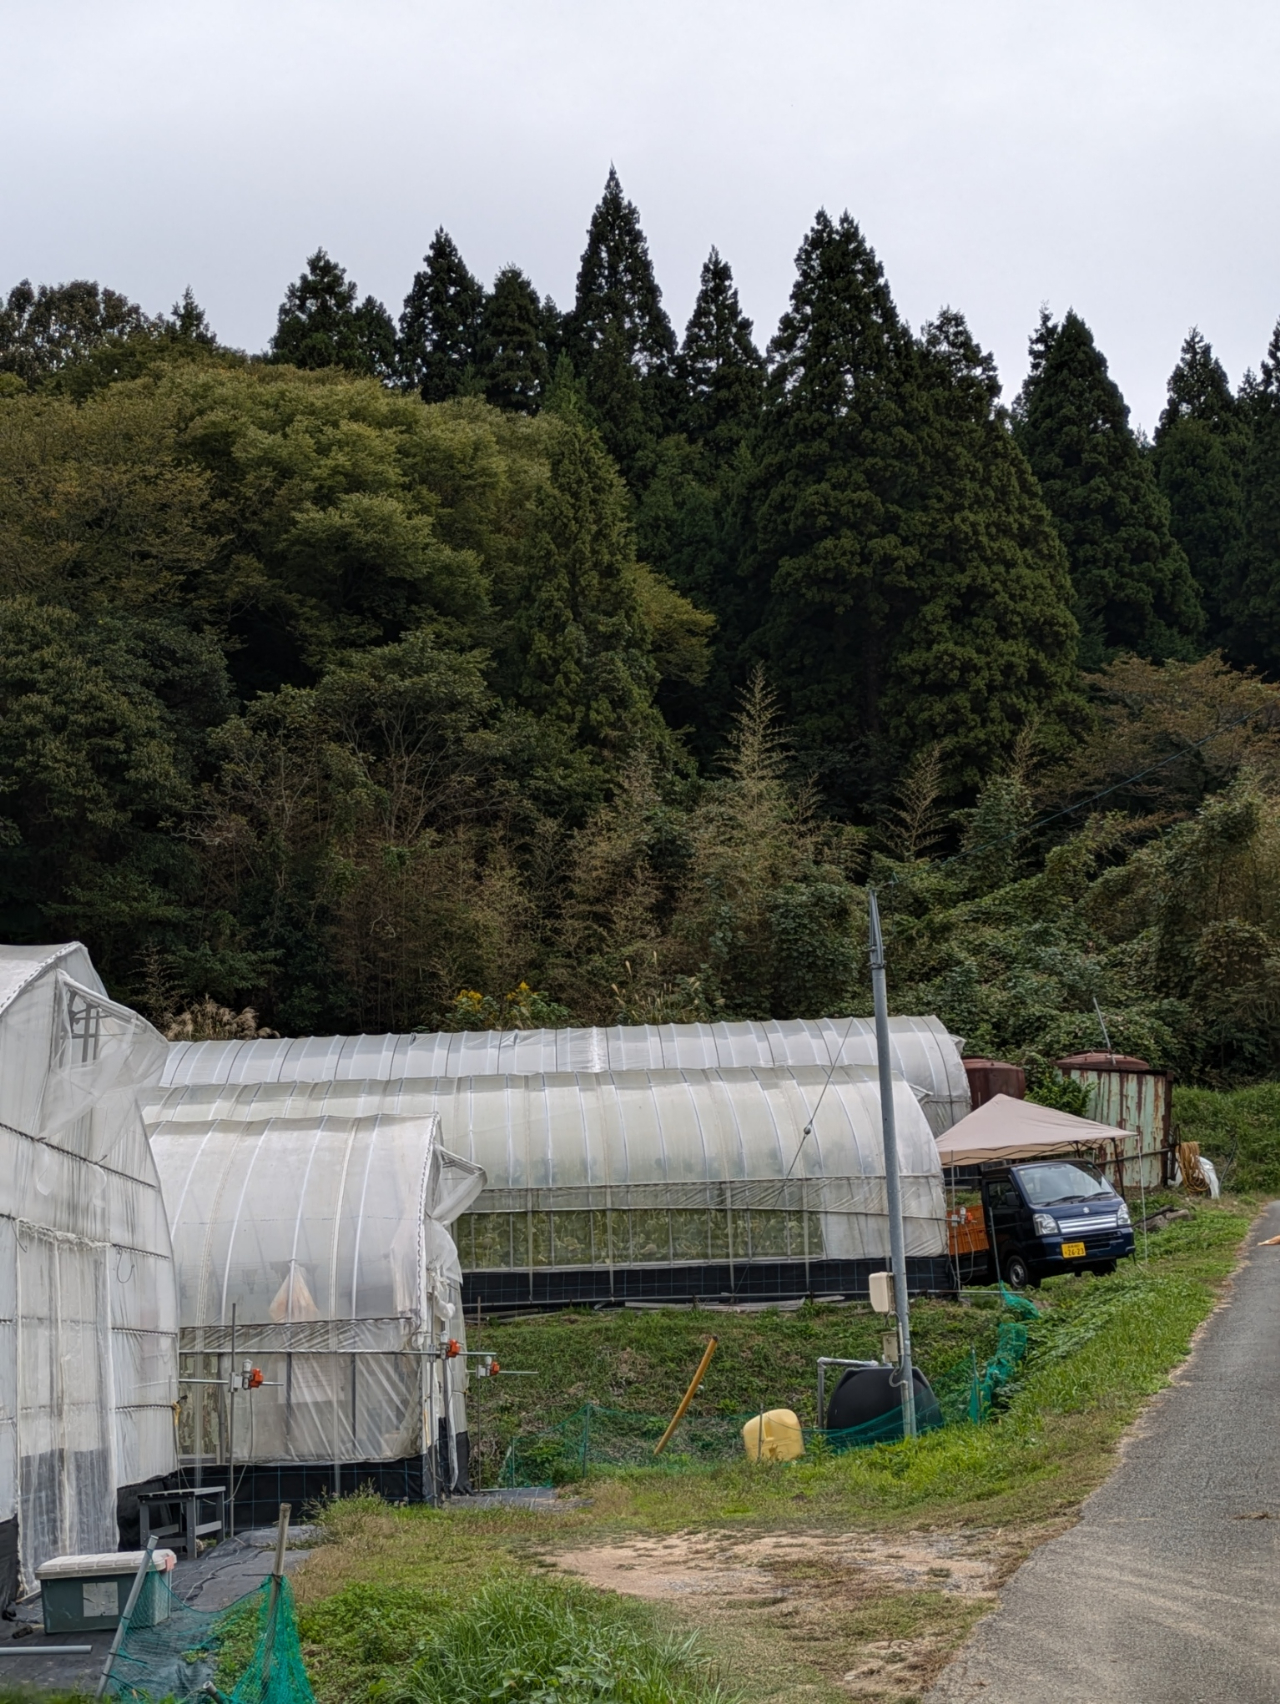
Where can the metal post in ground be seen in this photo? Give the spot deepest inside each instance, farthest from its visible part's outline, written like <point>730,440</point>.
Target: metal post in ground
<point>893,1182</point>
<point>273,1603</point>
<point>122,1626</point>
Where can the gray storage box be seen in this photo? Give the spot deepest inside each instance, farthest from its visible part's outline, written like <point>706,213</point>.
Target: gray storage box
<point>87,1594</point>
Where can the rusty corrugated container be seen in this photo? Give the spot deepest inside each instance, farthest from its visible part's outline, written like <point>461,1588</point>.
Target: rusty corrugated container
<point>1134,1096</point>
<point>991,1077</point>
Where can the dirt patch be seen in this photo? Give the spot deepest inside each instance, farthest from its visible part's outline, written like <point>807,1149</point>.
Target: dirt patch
<point>849,1614</point>
<point>788,1564</point>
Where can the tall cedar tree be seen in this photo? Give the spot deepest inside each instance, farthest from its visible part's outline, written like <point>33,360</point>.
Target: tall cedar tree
<point>1201,446</point>
<point>910,587</point>
<point>1256,579</point>
<point>688,520</point>
<point>1132,584</point>
<point>440,325</point>
<point>984,639</point>
<point>321,324</point>
<point>618,336</point>
<point>583,647</point>
<point>512,346</point>
<point>188,323</point>
<point>720,369</point>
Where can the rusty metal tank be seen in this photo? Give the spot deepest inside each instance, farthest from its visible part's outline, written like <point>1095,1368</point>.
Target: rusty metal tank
<point>991,1077</point>
<point>1134,1096</point>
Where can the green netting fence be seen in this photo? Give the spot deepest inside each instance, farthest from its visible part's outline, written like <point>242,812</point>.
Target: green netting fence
<point>248,1653</point>
<point>596,1439</point>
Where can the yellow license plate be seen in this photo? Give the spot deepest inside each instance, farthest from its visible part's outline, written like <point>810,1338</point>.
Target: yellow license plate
<point>1072,1251</point>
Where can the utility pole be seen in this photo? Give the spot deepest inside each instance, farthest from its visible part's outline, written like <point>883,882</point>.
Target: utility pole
<point>893,1186</point>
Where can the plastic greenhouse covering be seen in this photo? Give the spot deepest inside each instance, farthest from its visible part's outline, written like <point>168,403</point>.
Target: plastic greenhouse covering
<point>318,1231</point>
<point>88,1305</point>
<point>922,1050</point>
<point>647,1167</point>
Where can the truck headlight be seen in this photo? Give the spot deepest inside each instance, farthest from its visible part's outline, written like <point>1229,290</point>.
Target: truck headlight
<point>1045,1225</point>
<point>1123,1216</point>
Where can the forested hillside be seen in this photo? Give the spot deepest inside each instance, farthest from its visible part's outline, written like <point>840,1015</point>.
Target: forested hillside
<point>503,665</point>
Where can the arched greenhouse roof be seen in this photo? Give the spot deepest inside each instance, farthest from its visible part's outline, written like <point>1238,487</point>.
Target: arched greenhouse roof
<point>636,1140</point>
<point>923,1053</point>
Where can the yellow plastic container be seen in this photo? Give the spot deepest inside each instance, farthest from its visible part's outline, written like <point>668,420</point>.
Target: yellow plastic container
<point>773,1436</point>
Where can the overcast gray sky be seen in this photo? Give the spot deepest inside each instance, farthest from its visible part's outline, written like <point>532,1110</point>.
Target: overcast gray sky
<point>1118,156</point>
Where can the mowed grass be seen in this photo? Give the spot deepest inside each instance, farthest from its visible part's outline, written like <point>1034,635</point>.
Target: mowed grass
<point>374,1598</point>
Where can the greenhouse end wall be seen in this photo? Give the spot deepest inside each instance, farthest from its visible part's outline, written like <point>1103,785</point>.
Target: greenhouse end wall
<point>314,1243</point>
<point>88,1303</point>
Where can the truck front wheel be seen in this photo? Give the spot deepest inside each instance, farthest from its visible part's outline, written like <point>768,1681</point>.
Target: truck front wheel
<point>1017,1274</point>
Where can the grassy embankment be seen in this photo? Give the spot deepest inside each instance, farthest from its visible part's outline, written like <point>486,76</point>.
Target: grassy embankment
<point>377,1596</point>
<point>1239,1131</point>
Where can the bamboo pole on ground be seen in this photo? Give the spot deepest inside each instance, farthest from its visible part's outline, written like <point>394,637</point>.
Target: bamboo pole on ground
<point>688,1397</point>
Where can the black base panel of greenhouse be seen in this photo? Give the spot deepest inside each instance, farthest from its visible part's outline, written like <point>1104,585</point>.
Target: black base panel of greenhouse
<point>8,1561</point>
<point>765,1281</point>
<point>261,1487</point>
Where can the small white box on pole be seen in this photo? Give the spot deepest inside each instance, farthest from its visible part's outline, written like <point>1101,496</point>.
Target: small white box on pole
<point>882,1292</point>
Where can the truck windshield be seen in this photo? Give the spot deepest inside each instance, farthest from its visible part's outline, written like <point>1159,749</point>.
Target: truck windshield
<point>1050,1185</point>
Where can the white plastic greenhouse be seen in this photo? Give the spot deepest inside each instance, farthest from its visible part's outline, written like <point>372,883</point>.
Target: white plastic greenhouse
<point>311,1241</point>
<point>615,1184</point>
<point>922,1051</point>
<point>88,1303</point>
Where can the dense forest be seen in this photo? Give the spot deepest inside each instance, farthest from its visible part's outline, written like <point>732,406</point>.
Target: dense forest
<point>501,665</point>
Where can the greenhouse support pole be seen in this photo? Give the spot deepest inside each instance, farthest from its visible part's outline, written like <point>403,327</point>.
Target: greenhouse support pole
<point>892,1181</point>
<point>231,1433</point>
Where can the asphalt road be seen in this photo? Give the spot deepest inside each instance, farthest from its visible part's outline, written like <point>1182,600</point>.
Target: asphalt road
<point>1168,1589</point>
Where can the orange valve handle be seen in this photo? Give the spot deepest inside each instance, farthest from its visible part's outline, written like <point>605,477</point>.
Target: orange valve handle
<point>455,1348</point>
<point>254,1380</point>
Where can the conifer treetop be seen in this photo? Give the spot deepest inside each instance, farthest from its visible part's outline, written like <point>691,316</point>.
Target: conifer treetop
<point>321,324</point>
<point>841,322</point>
<point>1198,388</point>
<point>721,368</point>
<point>440,323</point>
<point>1133,586</point>
<point>617,289</point>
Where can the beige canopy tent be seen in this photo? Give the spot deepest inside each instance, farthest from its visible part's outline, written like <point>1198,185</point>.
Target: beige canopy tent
<point>1007,1129</point>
